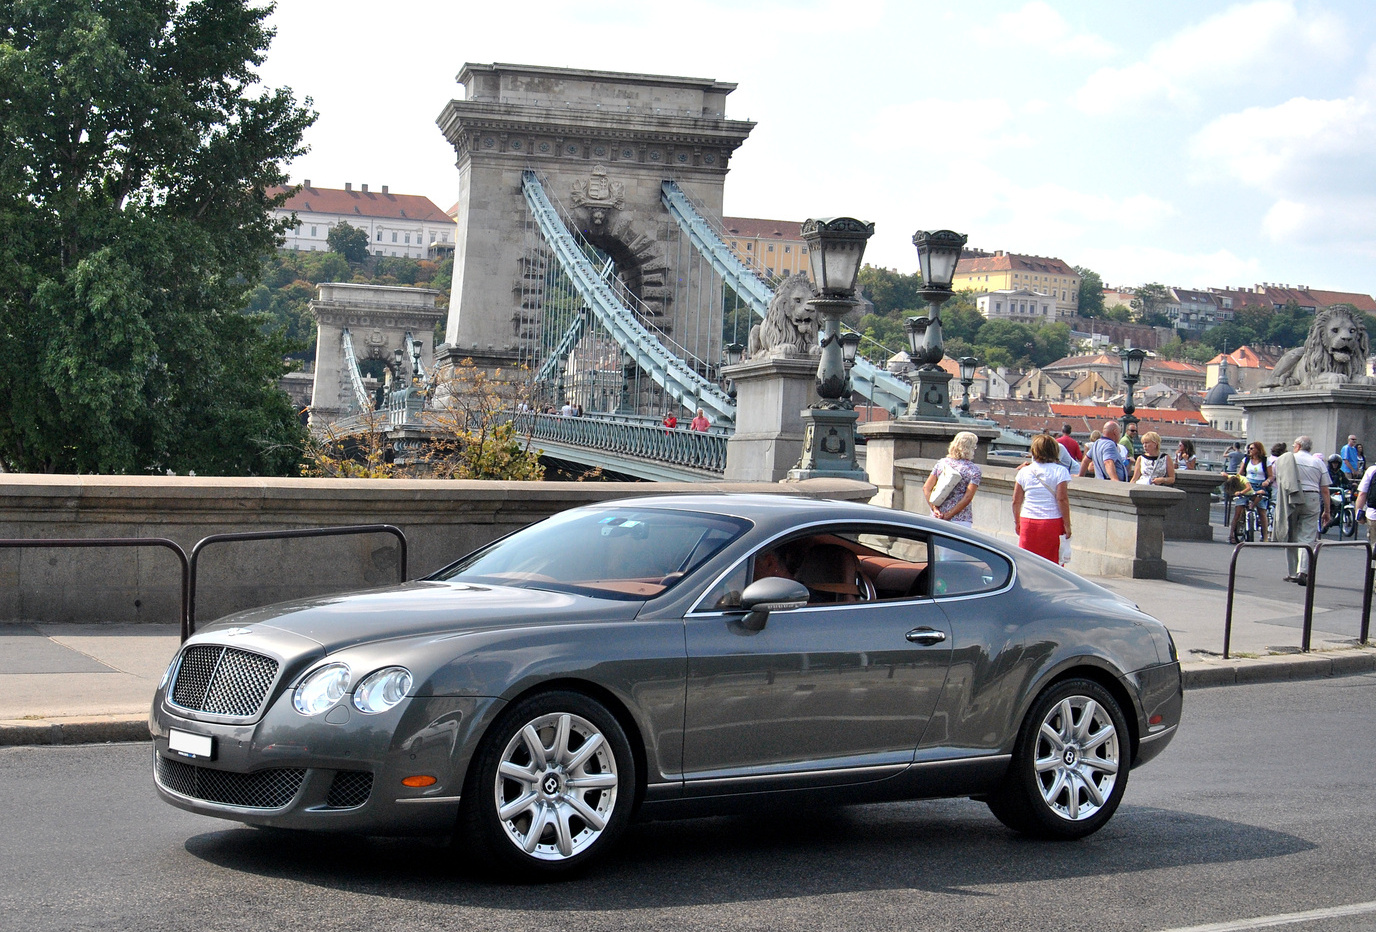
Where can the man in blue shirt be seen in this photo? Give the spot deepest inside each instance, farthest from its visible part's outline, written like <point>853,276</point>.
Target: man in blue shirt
<point>1108,458</point>
<point>1352,462</point>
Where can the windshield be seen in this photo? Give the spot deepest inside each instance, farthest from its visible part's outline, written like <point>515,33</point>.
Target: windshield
<point>621,553</point>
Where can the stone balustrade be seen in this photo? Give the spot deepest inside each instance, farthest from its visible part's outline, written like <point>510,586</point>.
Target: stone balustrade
<point>1118,528</point>
<point>442,522</point>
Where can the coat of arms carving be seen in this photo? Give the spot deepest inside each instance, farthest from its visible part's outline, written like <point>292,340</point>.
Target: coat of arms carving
<point>599,194</point>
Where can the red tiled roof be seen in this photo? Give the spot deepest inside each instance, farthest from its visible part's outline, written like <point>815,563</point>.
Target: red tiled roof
<point>1244,357</point>
<point>749,228</point>
<point>1143,414</point>
<point>1273,296</point>
<point>364,204</point>
<point>1011,262</point>
<point>1171,365</point>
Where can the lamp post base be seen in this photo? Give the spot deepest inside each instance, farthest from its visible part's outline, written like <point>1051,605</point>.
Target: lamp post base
<point>931,398</point>
<point>828,446</point>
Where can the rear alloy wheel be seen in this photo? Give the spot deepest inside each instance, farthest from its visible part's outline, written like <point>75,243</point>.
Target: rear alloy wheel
<point>554,785</point>
<point>1070,765</point>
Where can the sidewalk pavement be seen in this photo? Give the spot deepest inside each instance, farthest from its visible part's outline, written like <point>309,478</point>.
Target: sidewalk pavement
<point>83,683</point>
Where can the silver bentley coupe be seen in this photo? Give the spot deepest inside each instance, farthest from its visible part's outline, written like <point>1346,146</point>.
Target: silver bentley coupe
<point>673,656</point>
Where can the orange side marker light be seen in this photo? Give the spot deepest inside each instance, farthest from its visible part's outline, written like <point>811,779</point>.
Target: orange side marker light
<point>418,781</point>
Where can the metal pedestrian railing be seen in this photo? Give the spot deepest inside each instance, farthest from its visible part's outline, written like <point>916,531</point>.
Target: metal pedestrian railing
<point>187,616</point>
<point>91,542</point>
<point>1307,627</point>
<point>190,626</point>
<point>703,450</point>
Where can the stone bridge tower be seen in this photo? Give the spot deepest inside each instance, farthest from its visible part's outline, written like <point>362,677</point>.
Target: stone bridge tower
<point>602,143</point>
<point>378,317</point>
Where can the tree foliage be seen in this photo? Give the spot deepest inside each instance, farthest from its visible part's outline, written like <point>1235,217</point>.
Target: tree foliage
<point>890,291</point>
<point>1149,302</point>
<point>134,213</point>
<point>1091,303</point>
<point>477,439</point>
<point>349,241</point>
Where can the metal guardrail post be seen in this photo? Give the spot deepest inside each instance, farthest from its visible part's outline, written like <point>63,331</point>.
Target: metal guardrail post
<point>189,628</point>
<point>1308,592</point>
<point>91,542</point>
<point>1367,579</point>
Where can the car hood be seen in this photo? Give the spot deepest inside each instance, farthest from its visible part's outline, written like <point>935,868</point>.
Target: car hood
<point>424,608</point>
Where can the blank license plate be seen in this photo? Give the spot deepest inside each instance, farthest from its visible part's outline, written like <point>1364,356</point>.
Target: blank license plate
<point>189,745</point>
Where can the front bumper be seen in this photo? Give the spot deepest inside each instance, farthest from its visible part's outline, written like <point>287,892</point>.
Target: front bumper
<point>1161,693</point>
<point>287,770</point>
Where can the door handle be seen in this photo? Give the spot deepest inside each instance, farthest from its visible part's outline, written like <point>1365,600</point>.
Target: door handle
<point>926,636</point>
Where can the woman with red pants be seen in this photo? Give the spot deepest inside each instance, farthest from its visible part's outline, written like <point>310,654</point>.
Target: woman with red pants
<point>1041,503</point>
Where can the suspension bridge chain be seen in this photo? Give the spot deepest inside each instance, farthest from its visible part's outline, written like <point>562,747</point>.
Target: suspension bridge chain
<point>880,386</point>
<point>365,403</point>
<point>649,351</point>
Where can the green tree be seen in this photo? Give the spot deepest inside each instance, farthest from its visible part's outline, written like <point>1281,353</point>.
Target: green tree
<point>349,241</point>
<point>1091,303</point>
<point>1150,300</point>
<point>891,291</point>
<point>134,214</point>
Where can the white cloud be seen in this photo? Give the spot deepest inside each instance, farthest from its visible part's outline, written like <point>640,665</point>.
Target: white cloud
<point>1237,47</point>
<point>1038,25</point>
<point>1313,157</point>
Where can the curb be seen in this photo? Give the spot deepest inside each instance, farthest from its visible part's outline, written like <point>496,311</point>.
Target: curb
<point>1204,674</point>
<point>74,731</point>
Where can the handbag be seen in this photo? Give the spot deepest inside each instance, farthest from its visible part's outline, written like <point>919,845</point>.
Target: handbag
<point>945,485</point>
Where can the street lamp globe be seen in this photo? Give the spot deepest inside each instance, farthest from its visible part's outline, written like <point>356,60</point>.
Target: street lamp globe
<point>968,365</point>
<point>1132,364</point>
<point>937,255</point>
<point>835,247</point>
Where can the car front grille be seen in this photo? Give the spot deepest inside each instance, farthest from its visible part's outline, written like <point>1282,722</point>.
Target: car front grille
<point>222,680</point>
<point>350,788</point>
<point>262,789</point>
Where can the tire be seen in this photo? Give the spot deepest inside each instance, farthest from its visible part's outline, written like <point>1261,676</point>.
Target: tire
<point>1070,764</point>
<point>552,786</point>
<point>1349,523</point>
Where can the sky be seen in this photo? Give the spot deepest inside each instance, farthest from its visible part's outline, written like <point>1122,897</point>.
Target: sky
<point>1196,144</point>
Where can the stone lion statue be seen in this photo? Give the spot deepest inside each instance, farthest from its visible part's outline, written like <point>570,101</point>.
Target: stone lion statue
<point>1334,354</point>
<point>789,327</point>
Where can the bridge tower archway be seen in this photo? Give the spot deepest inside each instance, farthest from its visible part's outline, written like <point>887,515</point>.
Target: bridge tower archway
<point>602,143</point>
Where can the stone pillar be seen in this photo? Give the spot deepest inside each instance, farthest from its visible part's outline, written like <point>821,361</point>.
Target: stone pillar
<point>1189,520</point>
<point>1325,415</point>
<point>770,397</point>
<point>887,442</point>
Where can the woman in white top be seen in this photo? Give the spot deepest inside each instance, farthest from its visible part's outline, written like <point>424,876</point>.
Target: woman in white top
<point>1153,467</point>
<point>1041,503</point>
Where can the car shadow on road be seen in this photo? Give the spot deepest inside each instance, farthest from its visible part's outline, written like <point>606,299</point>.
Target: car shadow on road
<point>948,846</point>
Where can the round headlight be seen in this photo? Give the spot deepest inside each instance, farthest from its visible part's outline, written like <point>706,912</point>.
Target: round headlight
<point>322,689</point>
<point>381,690</point>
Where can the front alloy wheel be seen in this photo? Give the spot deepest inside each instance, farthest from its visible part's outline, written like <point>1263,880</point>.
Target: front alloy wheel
<point>1070,766</point>
<point>554,784</point>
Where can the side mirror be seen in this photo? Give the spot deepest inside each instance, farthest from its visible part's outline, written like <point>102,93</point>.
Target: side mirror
<point>771,594</point>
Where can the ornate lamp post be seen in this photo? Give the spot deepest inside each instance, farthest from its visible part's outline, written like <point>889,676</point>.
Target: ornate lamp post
<point>1132,371</point>
<point>733,353</point>
<point>937,254</point>
<point>968,365</point>
<point>835,247</point>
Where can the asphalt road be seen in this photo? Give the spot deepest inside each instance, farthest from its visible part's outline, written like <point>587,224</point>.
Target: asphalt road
<point>1263,805</point>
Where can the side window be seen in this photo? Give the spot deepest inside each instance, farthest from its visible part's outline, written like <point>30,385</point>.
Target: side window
<point>959,568</point>
<point>726,595</point>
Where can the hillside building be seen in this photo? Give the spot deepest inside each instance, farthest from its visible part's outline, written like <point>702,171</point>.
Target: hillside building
<point>985,273</point>
<point>404,225</point>
<point>775,247</point>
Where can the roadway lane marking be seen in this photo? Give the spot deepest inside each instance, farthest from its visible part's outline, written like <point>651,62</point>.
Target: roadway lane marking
<point>1284,919</point>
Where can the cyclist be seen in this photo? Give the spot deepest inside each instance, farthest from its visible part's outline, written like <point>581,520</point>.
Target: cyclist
<point>1339,491</point>
<point>1257,473</point>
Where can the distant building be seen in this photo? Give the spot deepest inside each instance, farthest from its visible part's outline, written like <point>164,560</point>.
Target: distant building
<point>1019,305</point>
<point>407,225</point>
<point>1197,311</point>
<point>1274,297</point>
<point>1246,368</point>
<point>1183,376</point>
<point>985,273</point>
<point>772,246</point>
